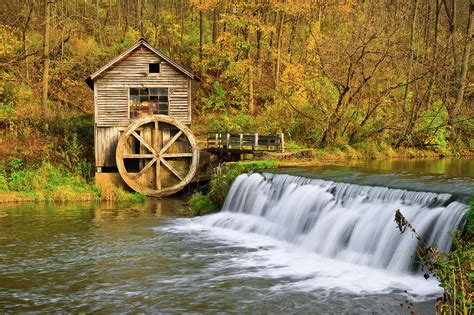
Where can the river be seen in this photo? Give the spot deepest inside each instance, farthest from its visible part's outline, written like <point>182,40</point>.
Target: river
<point>83,257</point>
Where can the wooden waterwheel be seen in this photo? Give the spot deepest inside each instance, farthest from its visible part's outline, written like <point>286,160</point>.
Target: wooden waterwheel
<point>157,156</point>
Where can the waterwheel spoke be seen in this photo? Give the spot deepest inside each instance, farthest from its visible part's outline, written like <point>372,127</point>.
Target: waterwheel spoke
<point>143,170</point>
<point>171,168</point>
<point>156,135</point>
<point>138,156</point>
<point>158,178</point>
<point>177,155</point>
<point>176,136</point>
<point>136,135</point>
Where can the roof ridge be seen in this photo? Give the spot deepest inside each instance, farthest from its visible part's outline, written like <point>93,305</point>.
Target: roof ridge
<point>142,41</point>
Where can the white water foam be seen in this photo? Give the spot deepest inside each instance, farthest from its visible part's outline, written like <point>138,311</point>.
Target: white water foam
<point>295,269</point>
<point>327,235</point>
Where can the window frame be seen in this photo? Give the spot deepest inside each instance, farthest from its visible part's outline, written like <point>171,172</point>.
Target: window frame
<point>147,87</point>
<point>154,63</point>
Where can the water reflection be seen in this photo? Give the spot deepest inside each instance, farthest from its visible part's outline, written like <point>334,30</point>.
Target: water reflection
<point>453,176</point>
<point>450,166</point>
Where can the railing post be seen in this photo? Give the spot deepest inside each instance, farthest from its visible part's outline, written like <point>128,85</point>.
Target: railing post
<point>241,140</point>
<point>217,144</point>
<point>228,141</point>
<point>282,142</point>
<point>255,141</point>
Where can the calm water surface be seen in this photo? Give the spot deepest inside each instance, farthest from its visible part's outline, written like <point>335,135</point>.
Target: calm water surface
<point>148,258</point>
<point>449,175</point>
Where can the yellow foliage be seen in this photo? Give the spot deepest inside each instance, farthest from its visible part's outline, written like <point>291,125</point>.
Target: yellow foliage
<point>85,49</point>
<point>10,43</point>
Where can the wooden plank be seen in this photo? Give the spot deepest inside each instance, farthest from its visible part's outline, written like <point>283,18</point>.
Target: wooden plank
<point>138,156</point>
<point>176,155</point>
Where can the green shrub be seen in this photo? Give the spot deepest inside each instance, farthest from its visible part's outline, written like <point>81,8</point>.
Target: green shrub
<point>216,98</point>
<point>200,204</point>
<point>220,183</point>
<point>22,180</point>
<point>114,193</point>
<point>3,182</point>
<point>468,232</point>
<point>452,269</point>
<point>14,164</point>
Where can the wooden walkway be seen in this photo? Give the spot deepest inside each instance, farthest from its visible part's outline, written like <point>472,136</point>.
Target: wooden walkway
<point>244,143</point>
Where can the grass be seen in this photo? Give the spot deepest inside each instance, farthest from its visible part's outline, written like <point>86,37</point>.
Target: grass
<point>362,151</point>
<point>205,203</point>
<point>48,182</point>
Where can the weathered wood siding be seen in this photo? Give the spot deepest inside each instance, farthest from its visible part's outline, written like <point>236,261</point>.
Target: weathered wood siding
<point>111,95</point>
<point>112,88</point>
<point>106,140</point>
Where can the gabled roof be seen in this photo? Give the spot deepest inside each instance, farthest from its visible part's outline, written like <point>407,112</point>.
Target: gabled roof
<point>141,42</point>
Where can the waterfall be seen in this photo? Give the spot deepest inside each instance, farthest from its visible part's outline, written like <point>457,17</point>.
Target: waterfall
<point>346,222</point>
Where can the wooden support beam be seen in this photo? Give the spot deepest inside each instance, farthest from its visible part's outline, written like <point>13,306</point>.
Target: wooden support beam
<point>282,143</point>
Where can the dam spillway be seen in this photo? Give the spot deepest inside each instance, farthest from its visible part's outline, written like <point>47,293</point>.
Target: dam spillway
<point>346,222</point>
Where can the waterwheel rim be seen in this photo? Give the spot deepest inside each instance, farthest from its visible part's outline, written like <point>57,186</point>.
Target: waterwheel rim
<point>155,157</point>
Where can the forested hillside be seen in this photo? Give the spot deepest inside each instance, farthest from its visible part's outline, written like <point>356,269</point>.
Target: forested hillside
<point>327,73</point>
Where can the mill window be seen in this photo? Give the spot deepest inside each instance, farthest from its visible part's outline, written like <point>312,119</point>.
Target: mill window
<point>148,101</point>
<point>154,68</point>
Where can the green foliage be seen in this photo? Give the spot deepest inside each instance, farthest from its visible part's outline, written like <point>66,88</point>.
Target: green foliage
<point>455,273</point>
<point>200,204</point>
<point>22,180</point>
<point>453,270</point>
<point>48,182</point>
<point>432,126</point>
<point>239,122</point>
<point>14,164</point>
<point>221,181</point>
<point>216,100</point>
<point>18,177</point>
<point>3,181</point>
<point>7,113</point>
<point>72,157</point>
<point>117,194</point>
<point>71,153</point>
<point>125,196</point>
<point>469,227</point>
<point>125,42</point>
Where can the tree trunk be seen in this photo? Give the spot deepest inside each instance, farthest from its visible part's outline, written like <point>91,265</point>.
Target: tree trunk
<point>279,44</point>
<point>201,33</point>
<point>270,41</point>
<point>259,55</point>
<point>45,84</point>
<point>24,33</point>
<point>215,15</point>
<point>465,61</point>
<point>410,62</point>
<point>140,17</point>
<point>409,74</point>
<point>251,96</point>
<point>434,63</point>
<point>127,18</point>
<point>292,38</point>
